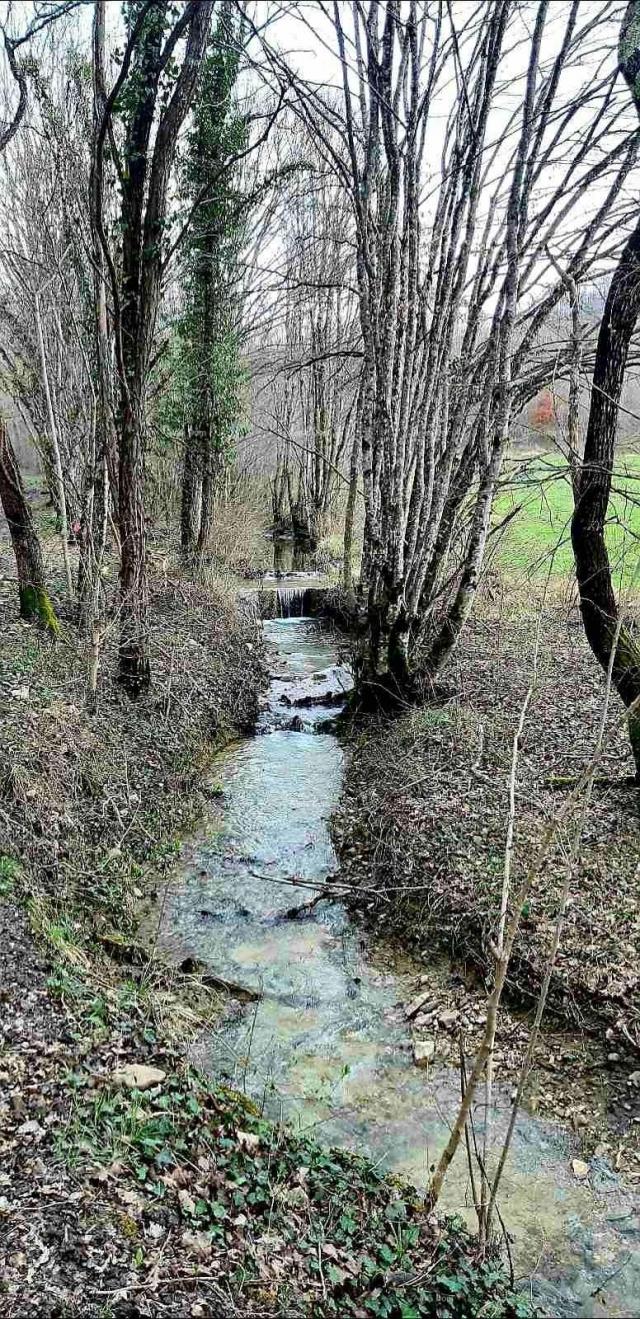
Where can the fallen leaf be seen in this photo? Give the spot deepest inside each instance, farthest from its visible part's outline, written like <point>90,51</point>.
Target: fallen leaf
<point>197,1243</point>
<point>247,1140</point>
<point>187,1202</point>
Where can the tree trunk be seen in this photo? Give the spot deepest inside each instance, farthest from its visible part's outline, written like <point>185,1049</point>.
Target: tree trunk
<point>53,432</point>
<point>347,571</point>
<point>153,127</point>
<point>448,635</point>
<point>35,603</point>
<point>598,603</point>
<point>191,496</point>
<point>134,668</point>
<point>209,466</point>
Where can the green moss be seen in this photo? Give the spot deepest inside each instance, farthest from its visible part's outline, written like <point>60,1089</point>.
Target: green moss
<point>35,603</point>
<point>9,872</point>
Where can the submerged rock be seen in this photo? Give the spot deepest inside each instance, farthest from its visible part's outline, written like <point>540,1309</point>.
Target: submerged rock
<point>296,725</point>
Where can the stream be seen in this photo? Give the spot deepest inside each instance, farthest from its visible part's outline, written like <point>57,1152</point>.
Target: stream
<point>327,1047</point>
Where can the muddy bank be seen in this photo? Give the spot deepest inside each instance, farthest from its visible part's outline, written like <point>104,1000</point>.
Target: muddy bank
<point>89,806</point>
<point>88,799</point>
<point>177,1198</point>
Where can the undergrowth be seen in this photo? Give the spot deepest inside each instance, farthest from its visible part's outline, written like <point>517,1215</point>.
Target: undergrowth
<point>357,1243</point>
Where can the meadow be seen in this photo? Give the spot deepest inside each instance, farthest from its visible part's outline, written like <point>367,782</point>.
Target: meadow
<point>536,542</point>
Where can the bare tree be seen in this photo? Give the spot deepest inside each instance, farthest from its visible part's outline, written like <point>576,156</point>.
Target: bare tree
<point>311,373</point>
<point>34,597</point>
<point>454,287</point>
<point>32,587</point>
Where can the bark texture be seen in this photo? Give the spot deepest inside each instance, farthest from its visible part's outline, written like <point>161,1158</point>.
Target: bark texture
<point>35,604</point>
<point>598,603</point>
<point>149,154</point>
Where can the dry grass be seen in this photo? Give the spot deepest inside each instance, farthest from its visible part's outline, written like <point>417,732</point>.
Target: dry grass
<point>87,800</point>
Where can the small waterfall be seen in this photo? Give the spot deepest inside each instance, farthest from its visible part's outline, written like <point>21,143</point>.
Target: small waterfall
<point>290,602</point>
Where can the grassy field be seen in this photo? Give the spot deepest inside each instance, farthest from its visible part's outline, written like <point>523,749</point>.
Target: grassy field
<point>537,541</point>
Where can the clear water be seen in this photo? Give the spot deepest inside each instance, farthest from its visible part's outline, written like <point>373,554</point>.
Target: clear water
<point>327,1046</point>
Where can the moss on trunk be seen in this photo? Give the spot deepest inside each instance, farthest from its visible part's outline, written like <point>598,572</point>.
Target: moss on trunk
<point>35,605</point>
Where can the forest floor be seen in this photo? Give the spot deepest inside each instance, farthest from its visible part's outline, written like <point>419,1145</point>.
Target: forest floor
<point>129,1185</point>
<point>422,827</point>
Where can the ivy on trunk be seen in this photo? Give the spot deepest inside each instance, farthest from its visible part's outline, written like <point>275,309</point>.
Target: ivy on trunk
<point>153,92</point>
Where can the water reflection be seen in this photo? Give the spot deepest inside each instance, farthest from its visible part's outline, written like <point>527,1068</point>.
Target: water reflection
<point>290,555</point>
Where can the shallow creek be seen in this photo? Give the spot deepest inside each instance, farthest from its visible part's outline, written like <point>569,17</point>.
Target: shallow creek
<point>327,1046</point>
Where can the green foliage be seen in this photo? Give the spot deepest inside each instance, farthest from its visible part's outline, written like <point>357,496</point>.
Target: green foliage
<point>368,1238</point>
<point>140,82</point>
<point>9,872</point>
<point>207,378</point>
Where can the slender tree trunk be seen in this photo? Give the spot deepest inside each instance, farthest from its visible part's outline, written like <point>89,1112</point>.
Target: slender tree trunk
<point>53,431</point>
<point>191,495</point>
<point>611,642</point>
<point>347,574</point>
<point>207,501</point>
<point>448,636</point>
<point>134,667</point>
<point>35,603</point>
<point>84,586</point>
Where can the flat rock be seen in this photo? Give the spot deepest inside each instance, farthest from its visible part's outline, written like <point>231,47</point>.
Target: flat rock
<point>417,1005</point>
<point>137,1076</point>
<point>580,1169</point>
<point>423,1052</point>
<point>448,1018</point>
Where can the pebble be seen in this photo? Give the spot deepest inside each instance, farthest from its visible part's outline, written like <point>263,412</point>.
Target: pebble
<point>137,1076</point>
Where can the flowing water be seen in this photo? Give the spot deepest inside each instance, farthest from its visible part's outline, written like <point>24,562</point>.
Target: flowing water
<point>326,1045</point>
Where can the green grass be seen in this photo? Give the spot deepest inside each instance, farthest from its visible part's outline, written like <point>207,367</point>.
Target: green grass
<point>9,872</point>
<point>537,541</point>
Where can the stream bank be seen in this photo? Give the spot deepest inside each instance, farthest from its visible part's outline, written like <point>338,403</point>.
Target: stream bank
<point>129,1185</point>
<point>326,1042</point>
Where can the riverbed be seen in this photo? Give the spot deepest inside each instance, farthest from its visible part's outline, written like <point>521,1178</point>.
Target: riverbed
<point>326,1045</point>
